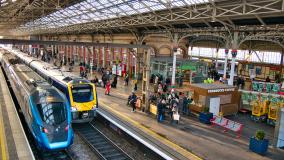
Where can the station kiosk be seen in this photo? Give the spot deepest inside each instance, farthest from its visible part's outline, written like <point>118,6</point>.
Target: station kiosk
<point>217,97</point>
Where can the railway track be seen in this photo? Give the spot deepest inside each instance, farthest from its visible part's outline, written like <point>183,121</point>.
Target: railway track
<point>102,145</point>
<point>58,155</point>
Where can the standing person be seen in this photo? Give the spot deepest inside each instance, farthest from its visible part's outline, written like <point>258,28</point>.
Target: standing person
<point>161,105</point>
<point>165,88</point>
<point>114,82</point>
<point>107,88</point>
<point>132,101</point>
<point>180,101</point>
<point>156,79</point>
<point>81,69</point>
<point>126,79</point>
<point>186,102</point>
<point>135,85</point>
<point>160,88</point>
<point>104,79</point>
<point>267,79</point>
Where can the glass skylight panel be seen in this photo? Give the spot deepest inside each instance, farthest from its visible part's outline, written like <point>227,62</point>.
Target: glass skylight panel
<point>190,2</point>
<point>97,5</point>
<point>125,7</point>
<point>177,3</point>
<point>158,7</point>
<point>95,10</point>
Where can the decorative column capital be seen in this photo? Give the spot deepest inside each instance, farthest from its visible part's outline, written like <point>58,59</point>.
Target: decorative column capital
<point>226,52</point>
<point>234,53</point>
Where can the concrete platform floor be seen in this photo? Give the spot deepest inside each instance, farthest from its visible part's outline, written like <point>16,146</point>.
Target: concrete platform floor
<point>194,137</point>
<point>13,142</point>
<point>200,139</point>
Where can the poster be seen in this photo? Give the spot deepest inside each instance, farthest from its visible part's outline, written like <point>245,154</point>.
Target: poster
<point>214,105</point>
<point>258,70</point>
<point>117,71</point>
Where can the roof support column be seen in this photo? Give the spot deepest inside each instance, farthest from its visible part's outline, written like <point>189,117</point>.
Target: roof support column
<point>146,80</point>
<point>234,55</point>
<point>98,57</point>
<point>104,57</point>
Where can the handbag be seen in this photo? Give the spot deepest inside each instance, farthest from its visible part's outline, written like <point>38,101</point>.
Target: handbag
<point>176,117</point>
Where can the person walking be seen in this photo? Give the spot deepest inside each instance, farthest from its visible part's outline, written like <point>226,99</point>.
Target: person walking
<point>132,101</point>
<point>126,79</point>
<point>107,91</point>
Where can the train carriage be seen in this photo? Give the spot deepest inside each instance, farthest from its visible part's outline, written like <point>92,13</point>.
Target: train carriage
<point>44,107</point>
<point>80,93</point>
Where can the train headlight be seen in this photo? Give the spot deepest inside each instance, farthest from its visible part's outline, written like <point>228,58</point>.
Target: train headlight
<point>73,109</point>
<point>94,107</point>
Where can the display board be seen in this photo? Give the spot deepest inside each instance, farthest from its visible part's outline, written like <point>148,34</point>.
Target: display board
<point>280,141</point>
<point>214,105</point>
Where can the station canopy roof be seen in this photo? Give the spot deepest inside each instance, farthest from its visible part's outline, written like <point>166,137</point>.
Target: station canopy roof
<point>97,10</point>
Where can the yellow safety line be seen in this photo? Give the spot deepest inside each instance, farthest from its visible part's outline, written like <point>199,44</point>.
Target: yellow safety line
<point>3,141</point>
<point>2,137</point>
<point>178,148</point>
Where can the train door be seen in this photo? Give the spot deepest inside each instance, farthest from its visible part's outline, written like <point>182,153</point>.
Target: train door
<point>26,110</point>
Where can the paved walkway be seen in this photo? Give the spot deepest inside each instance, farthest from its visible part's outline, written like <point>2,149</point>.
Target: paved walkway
<point>190,135</point>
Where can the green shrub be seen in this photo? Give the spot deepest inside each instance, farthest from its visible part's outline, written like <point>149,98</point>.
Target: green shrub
<point>259,135</point>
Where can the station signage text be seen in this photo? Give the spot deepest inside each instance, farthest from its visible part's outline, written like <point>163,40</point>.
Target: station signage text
<point>221,90</point>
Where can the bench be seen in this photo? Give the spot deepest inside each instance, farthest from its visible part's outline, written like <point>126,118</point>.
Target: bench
<point>227,124</point>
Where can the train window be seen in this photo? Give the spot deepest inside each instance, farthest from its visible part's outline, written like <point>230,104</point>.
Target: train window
<point>52,113</point>
<point>82,93</point>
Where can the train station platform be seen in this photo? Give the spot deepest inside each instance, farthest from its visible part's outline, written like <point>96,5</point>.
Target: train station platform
<point>189,139</point>
<point>13,142</point>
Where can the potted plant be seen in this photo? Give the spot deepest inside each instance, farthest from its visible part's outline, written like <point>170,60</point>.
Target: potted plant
<point>258,144</point>
<point>205,116</point>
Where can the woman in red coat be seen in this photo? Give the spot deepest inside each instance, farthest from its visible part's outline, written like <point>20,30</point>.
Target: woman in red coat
<point>107,88</point>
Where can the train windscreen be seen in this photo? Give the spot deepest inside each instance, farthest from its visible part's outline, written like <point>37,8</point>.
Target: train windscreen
<point>83,93</point>
<point>52,113</point>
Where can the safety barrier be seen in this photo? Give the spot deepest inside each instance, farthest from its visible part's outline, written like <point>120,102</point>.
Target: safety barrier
<point>227,124</point>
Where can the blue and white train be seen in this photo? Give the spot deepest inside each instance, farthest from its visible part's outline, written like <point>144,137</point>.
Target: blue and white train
<point>80,93</point>
<point>45,108</point>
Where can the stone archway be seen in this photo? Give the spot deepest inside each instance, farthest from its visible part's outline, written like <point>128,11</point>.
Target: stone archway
<point>165,50</point>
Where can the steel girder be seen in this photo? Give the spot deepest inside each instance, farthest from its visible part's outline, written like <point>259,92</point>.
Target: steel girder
<point>39,42</point>
<point>217,11</point>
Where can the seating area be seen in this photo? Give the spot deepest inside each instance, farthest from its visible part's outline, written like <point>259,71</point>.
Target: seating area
<point>227,125</point>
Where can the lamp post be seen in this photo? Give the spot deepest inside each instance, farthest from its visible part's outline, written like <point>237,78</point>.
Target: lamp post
<point>232,74</point>
<point>176,51</point>
<point>226,63</point>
